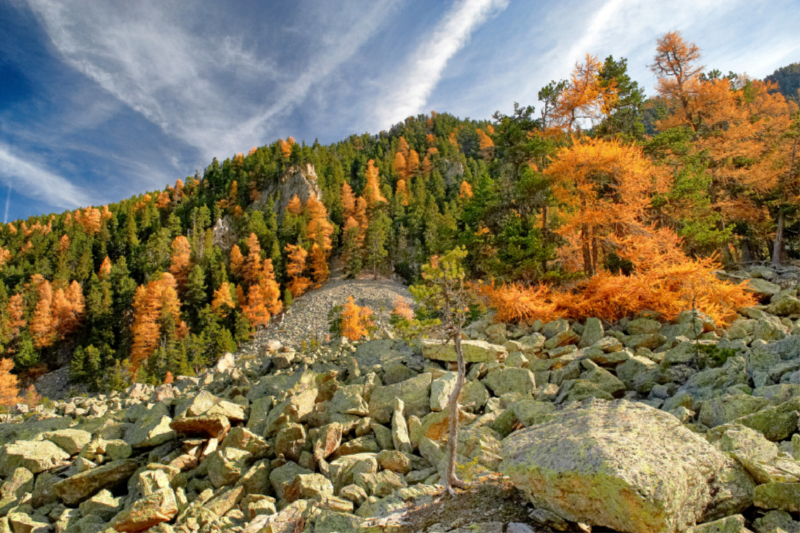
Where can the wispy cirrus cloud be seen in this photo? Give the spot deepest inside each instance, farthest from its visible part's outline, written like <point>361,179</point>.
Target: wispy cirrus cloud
<point>426,65</point>
<point>38,182</point>
<point>215,89</point>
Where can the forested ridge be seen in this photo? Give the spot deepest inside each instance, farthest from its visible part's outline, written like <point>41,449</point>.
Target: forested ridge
<point>600,201</point>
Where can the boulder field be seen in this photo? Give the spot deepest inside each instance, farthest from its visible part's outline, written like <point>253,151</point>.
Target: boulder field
<point>640,426</point>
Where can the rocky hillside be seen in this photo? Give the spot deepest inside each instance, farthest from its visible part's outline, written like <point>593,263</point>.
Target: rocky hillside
<point>640,426</point>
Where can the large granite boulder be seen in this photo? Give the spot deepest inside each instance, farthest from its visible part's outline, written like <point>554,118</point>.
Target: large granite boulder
<point>36,456</point>
<point>625,466</point>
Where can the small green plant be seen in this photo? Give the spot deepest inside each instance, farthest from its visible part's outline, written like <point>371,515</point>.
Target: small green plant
<point>712,356</point>
<point>335,321</point>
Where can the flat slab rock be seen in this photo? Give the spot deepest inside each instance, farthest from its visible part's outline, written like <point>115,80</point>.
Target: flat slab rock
<point>474,351</point>
<point>625,466</point>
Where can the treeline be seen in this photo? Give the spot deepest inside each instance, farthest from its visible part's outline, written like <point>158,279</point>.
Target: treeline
<point>601,182</point>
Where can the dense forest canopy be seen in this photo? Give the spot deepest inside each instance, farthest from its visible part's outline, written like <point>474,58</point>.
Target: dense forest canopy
<point>598,201</point>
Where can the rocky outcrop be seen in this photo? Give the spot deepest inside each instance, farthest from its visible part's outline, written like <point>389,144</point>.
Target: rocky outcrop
<point>300,181</point>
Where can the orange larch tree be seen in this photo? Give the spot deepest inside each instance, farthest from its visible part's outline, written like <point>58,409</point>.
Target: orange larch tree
<point>252,266</point>
<point>486,145</point>
<point>584,98</point>
<point>465,192</point>
<point>319,266</point>
<point>237,260</point>
<point>295,206</point>
<point>223,304</point>
<point>181,261</point>
<point>9,390</point>
<point>295,269</point>
<point>348,201</point>
<point>319,229</point>
<point>400,165</point>
<point>605,189</point>
<point>42,323</point>
<point>356,320</point>
<point>152,303</point>
<point>270,290</point>
<point>105,269</point>
<point>372,190</point>
<point>413,163</point>
<point>402,192</point>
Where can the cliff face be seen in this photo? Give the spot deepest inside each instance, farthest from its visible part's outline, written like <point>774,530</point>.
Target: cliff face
<point>297,180</point>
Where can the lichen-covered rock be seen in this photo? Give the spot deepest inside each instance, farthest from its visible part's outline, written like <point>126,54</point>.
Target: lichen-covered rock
<point>347,400</point>
<point>102,504</point>
<point>779,496</point>
<point>504,380</point>
<point>622,465</point>
<point>283,475</point>
<point>209,426</point>
<point>777,422</point>
<point>150,432</point>
<point>147,512</point>
<point>592,332</point>
<point>226,466</point>
<point>79,487</point>
<point>71,441</point>
<point>724,409</point>
<point>729,524</point>
<point>762,289</point>
<point>441,389</point>
<point>414,392</point>
<point>308,487</point>
<point>344,469</point>
<point>474,351</point>
<point>36,456</point>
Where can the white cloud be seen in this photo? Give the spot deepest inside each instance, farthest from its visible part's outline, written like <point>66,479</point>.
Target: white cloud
<point>37,182</point>
<point>212,90</point>
<point>425,68</point>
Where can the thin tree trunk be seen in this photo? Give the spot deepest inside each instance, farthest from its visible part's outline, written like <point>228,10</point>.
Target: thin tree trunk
<point>777,249</point>
<point>450,478</point>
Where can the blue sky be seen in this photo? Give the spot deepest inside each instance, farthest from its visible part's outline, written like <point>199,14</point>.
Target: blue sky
<point>103,100</point>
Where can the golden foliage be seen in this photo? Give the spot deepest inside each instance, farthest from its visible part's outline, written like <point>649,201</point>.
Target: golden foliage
<point>181,260</point>
<point>466,191</point>
<point>151,302</point>
<point>105,269</point>
<point>348,201</point>
<point>9,391</point>
<point>295,206</point>
<point>319,266</point>
<point>402,309</point>
<point>584,98</point>
<point>355,320</point>
<point>295,268</point>
<point>319,229</point>
<point>222,304</point>
<point>605,189</point>
<point>402,192</point>
<point>372,190</point>
<point>5,255</point>
<point>237,260</point>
